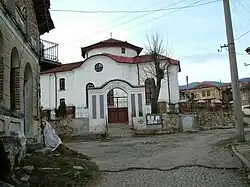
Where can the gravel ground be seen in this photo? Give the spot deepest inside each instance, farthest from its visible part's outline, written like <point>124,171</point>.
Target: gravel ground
<point>166,152</point>
<point>191,177</point>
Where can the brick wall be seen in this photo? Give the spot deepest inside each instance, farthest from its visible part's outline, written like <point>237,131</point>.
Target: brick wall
<point>17,89</point>
<point>32,26</point>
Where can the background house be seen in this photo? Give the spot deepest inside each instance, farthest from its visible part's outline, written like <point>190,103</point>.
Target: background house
<point>204,92</point>
<point>245,93</point>
<point>22,23</point>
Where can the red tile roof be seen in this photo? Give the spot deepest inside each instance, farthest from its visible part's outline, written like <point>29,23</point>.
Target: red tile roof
<point>111,43</point>
<point>200,86</point>
<point>64,68</point>
<point>118,59</point>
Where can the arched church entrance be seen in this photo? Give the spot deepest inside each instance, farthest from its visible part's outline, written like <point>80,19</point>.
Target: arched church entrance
<point>117,103</point>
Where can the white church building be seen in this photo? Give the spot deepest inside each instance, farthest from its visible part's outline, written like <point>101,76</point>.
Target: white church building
<point>109,82</point>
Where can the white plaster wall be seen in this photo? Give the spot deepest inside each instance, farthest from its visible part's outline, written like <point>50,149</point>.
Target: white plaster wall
<point>173,82</point>
<point>47,86</point>
<point>48,91</point>
<point>174,86</point>
<point>111,70</point>
<point>68,93</point>
<point>112,50</point>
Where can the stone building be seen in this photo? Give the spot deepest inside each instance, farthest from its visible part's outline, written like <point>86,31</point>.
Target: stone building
<point>22,22</point>
<point>245,93</point>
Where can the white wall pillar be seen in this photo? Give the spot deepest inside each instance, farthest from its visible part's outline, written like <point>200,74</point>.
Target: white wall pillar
<point>129,109</point>
<point>136,105</point>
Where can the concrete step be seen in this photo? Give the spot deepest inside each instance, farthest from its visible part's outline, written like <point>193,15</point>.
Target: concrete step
<point>120,130</point>
<point>121,135</point>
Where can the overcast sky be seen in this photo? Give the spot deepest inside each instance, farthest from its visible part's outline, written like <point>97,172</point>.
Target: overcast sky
<point>193,35</point>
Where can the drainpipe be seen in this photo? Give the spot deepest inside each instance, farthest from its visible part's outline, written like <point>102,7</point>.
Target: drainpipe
<point>169,100</point>
<point>138,74</point>
<point>55,90</point>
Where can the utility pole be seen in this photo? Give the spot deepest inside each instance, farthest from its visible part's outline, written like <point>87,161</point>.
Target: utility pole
<point>234,73</point>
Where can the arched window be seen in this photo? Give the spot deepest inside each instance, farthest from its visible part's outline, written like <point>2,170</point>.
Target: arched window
<point>88,86</point>
<point>15,80</point>
<point>62,84</point>
<point>110,97</point>
<point>149,89</point>
<point>62,100</point>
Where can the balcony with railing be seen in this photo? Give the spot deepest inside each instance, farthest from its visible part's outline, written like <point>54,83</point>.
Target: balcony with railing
<point>48,55</point>
<point>49,51</point>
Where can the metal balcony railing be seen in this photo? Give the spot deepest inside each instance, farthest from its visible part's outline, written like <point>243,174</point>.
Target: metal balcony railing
<point>48,50</point>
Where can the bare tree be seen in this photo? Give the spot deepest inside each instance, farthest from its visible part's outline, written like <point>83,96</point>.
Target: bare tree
<point>158,68</point>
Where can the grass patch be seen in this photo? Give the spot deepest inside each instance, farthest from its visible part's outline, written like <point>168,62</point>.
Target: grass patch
<point>66,176</point>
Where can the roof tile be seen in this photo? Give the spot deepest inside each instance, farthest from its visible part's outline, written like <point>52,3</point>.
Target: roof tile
<point>118,59</point>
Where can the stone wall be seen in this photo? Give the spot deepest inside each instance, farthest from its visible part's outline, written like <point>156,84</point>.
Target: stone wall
<point>171,122</point>
<point>213,120</point>
<point>32,26</point>
<point>12,136</point>
<point>18,61</point>
<point>206,121</point>
<point>62,127</point>
<point>9,125</point>
<point>15,147</point>
<point>80,126</point>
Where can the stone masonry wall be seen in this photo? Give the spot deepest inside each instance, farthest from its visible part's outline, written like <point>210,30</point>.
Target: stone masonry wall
<point>12,39</point>
<point>15,147</point>
<point>63,127</point>
<point>213,120</point>
<point>32,26</point>
<point>206,121</point>
<point>171,122</point>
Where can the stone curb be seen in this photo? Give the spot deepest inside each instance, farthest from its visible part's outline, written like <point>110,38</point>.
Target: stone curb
<point>241,157</point>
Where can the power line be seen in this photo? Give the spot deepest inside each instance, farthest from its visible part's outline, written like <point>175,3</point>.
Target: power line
<point>155,18</point>
<point>125,22</point>
<point>120,11</point>
<point>123,11</point>
<point>244,34</point>
<point>242,54</point>
<point>128,15</point>
<point>195,4</point>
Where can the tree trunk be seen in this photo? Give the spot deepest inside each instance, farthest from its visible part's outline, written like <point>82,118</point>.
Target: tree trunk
<point>154,102</point>
<point>154,106</point>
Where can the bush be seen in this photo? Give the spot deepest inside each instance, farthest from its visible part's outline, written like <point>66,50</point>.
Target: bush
<point>61,112</point>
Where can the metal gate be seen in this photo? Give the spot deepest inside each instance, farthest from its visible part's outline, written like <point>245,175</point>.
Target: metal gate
<point>117,109</point>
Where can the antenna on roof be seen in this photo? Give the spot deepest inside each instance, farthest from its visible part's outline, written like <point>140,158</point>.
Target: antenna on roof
<point>111,35</point>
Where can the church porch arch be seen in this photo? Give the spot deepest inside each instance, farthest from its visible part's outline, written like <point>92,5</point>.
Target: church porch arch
<point>98,103</point>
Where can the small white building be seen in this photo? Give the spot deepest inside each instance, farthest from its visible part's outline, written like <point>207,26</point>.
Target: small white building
<point>110,82</point>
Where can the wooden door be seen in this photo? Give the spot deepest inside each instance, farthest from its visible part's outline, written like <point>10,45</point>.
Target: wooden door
<point>118,115</point>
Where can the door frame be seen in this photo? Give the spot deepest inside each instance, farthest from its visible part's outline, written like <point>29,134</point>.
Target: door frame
<point>117,109</point>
